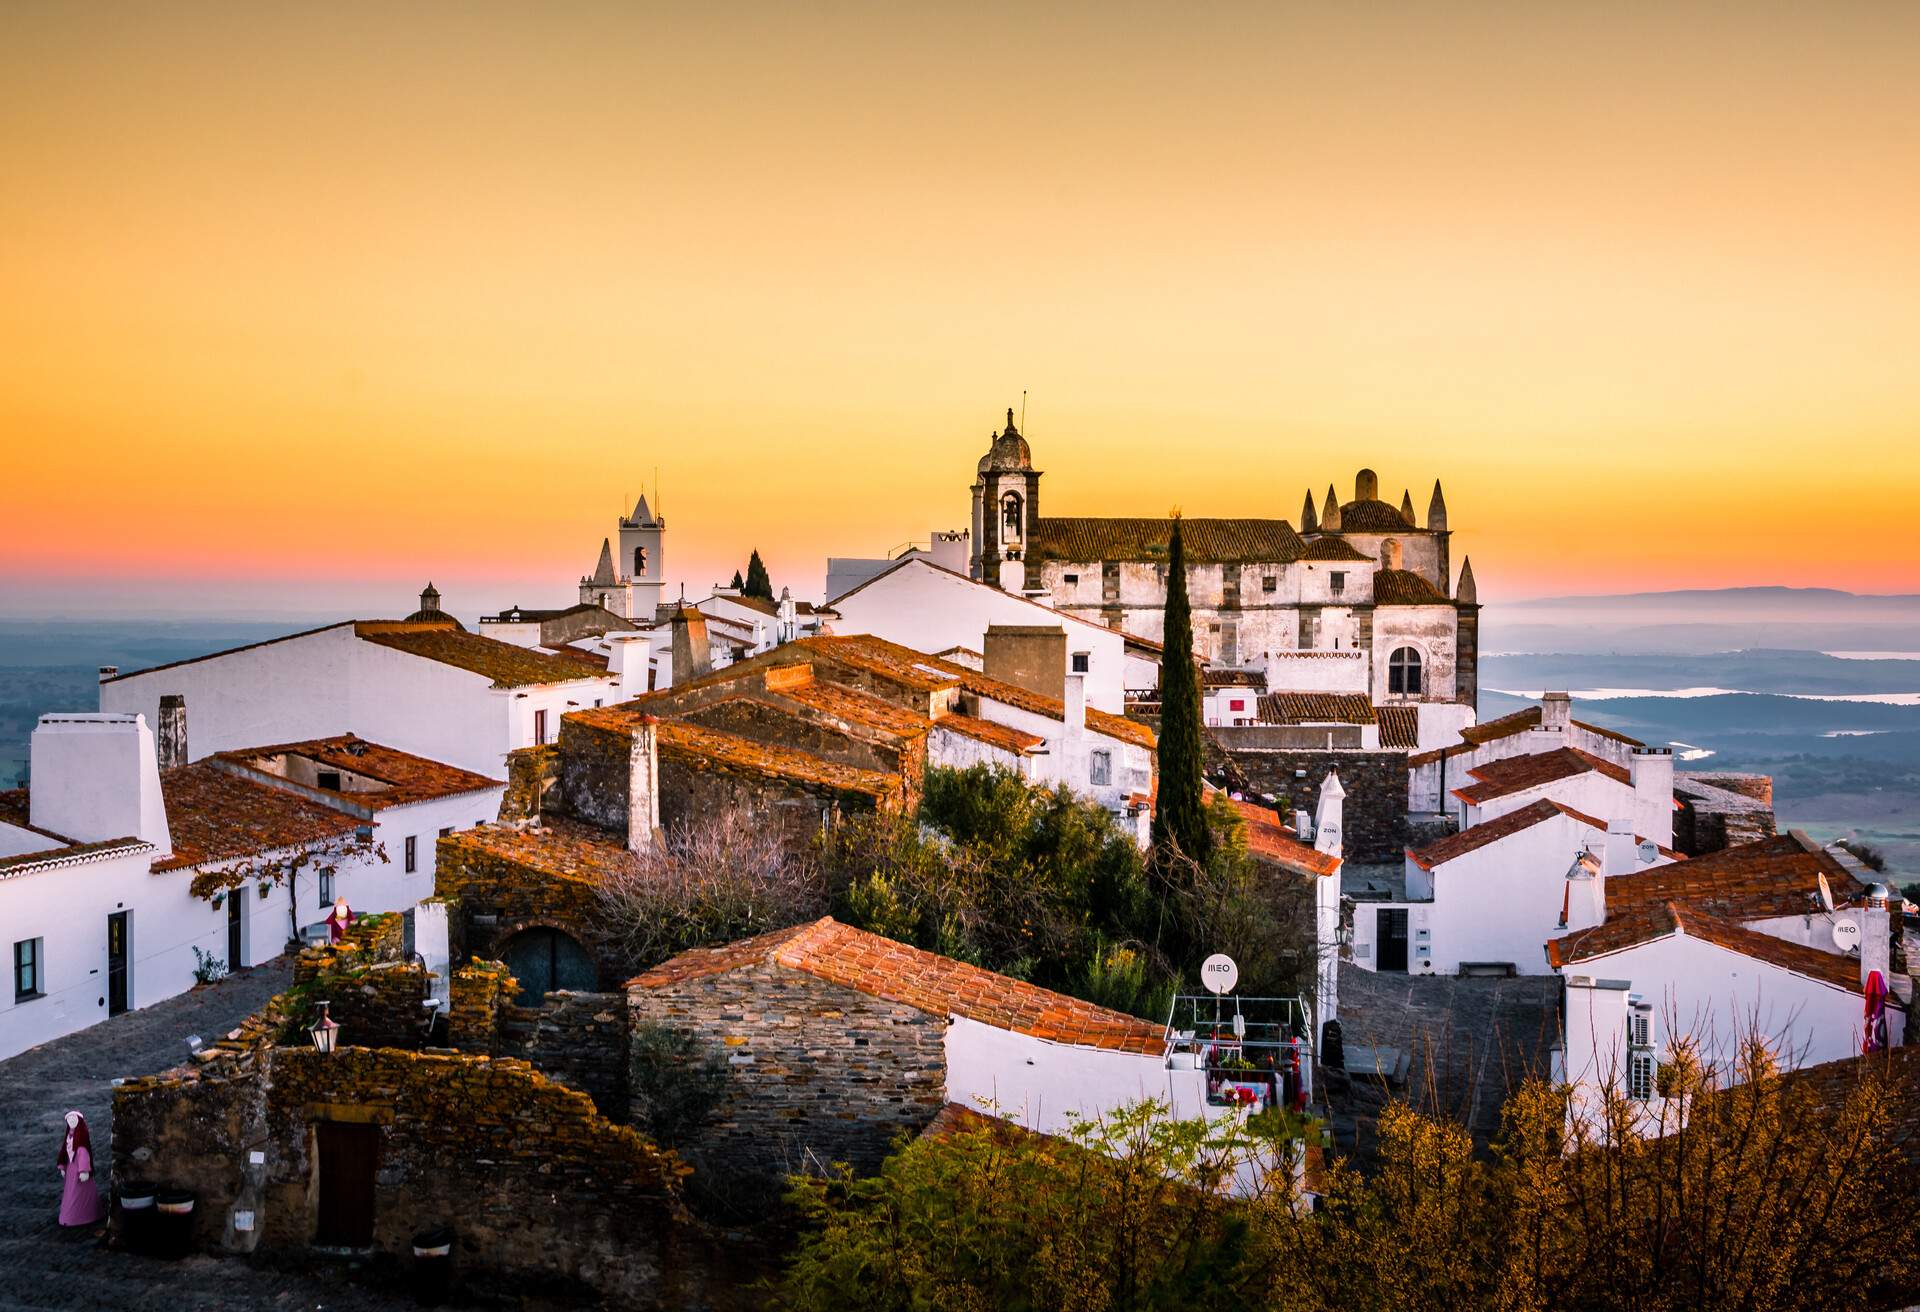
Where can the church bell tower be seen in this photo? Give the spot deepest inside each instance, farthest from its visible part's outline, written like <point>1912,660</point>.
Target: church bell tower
<point>1006,506</point>
<point>642,559</point>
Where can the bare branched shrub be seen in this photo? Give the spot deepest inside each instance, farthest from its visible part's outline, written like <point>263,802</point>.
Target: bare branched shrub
<point>723,877</point>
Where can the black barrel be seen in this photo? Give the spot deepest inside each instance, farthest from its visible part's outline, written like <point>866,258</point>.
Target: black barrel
<point>173,1222</point>
<point>433,1265</point>
<point>137,1215</point>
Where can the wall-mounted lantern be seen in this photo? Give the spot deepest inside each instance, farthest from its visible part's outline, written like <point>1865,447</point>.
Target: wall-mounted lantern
<point>325,1032</point>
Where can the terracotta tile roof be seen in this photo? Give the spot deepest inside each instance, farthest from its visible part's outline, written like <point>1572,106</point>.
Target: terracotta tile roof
<point>1316,708</point>
<point>850,704</point>
<point>24,862</point>
<point>1004,737</point>
<point>1475,837</point>
<point>1335,549</point>
<point>1232,679</point>
<point>1515,774</point>
<point>409,778</point>
<point>1205,541</point>
<point>1403,587</point>
<point>214,815</point>
<point>560,848</point>
<point>507,665</point>
<point>1373,517</point>
<point>1268,837</point>
<point>894,972</point>
<point>1656,920</point>
<point>890,659</point>
<point>1776,876</point>
<point>1506,726</point>
<point>1399,726</point>
<point>698,746</point>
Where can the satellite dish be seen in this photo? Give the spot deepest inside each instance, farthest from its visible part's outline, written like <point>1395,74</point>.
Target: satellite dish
<point>1826,892</point>
<point>1846,934</point>
<point>1219,973</point>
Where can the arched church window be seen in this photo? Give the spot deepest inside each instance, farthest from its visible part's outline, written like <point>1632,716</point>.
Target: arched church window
<point>1403,672</point>
<point>1010,514</point>
<point>639,560</point>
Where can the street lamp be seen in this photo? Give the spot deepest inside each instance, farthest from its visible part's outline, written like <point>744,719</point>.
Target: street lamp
<point>325,1032</point>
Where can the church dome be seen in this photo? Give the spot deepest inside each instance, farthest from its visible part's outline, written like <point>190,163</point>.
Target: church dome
<point>1009,451</point>
<point>1372,516</point>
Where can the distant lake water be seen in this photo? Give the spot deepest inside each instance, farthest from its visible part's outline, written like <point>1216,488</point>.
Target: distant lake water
<point>1607,694</point>
<point>1873,655</point>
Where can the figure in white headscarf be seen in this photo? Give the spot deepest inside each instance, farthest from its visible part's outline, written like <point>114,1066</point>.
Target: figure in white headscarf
<point>80,1202</point>
<point>339,920</point>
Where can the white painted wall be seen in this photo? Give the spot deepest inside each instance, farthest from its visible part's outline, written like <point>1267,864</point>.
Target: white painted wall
<point>1713,995</point>
<point>97,777</point>
<point>1068,755</point>
<point>330,682</point>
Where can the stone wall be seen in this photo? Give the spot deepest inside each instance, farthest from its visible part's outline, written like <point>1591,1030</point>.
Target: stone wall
<point>1375,817</point>
<point>817,1073</point>
<point>495,896</point>
<point>531,773</point>
<point>579,1040</point>
<point>595,774</point>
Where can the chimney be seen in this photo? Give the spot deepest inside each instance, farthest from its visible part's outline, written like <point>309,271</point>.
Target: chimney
<point>97,777</point>
<point>1389,554</point>
<point>108,672</point>
<point>692,657</point>
<point>1366,486</point>
<point>1586,898</point>
<point>1556,712</point>
<point>1327,815</point>
<point>1076,700</point>
<point>171,740</point>
<point>1621,854</point>
<point>1030,656</point>
<point>1651,770</point>
<point>643,786</point>
<point>1876,935</point>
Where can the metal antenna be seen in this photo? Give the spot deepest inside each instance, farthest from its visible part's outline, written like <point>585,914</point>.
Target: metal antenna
<point>1023,409</point>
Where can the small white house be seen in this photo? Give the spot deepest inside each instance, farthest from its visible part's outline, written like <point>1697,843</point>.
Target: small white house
<point>1641,790</point>
<point>428,687</point>
<point>1450,751</point>
<point>98,895</point>
<point>1718,949</point>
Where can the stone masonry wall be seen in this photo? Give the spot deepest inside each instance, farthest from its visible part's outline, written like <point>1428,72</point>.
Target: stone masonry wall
<point>495,896</point>
<point>1375,817</point>
<point>818,1073</point>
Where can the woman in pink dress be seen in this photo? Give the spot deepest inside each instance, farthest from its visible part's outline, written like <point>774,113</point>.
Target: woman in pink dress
<point>80,1202</point>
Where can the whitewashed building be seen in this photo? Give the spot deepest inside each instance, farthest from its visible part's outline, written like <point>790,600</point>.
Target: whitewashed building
<point>424,686</point>
<point>100,857</point>
<point>1774,939</point>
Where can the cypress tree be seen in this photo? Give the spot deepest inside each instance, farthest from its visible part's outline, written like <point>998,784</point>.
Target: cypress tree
<point>758,584</point>
<point>737,585</point>
<point>1180,818</point>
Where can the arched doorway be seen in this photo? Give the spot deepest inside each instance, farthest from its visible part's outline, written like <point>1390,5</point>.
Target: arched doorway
<point>544,960</point>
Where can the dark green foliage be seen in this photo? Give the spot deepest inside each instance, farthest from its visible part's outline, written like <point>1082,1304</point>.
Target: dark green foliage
<point>737,585</point>
<point>1180,819</point>
<point>677,1084</point>
<point>757,584</point>
<point>1041,885</point>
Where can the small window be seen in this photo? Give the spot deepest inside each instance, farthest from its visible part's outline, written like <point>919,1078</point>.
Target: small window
<point>326,889</point>
<point>539,728</point>
<point>1237,704</point>
<point>447,832</point>
<point>1403,672</point>
<point>1269,583</point>
<point>29,978</point>
<point>1071,580</point>
<point>1337,582</point>
<point>1082,662</point>
<point>413,854</point>
<point>596,701</point>
<point>1100,769</point>
<point>329,780</point>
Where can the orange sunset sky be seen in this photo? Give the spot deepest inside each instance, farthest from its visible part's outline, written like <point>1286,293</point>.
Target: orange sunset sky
<point>303,305</point>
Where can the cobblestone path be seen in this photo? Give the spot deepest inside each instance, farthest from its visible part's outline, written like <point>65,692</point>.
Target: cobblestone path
<point>43,1266</point>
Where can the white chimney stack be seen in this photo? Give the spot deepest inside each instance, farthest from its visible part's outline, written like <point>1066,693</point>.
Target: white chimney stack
<point>1556,712</point>
<point>1327,815</point>
<point>97,777</point>
<point>1586,892</point>
<point>1651,770</point>
<point>1076,703</point>
<point>1621,855</point>
<point>1876,935</point>
<point>643,786</point>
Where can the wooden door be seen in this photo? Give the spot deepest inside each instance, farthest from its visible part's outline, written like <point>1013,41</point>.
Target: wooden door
<point>348,1157</point>
<point>116,963</point>
<point>234,913</point>
<point>1393,939</point>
